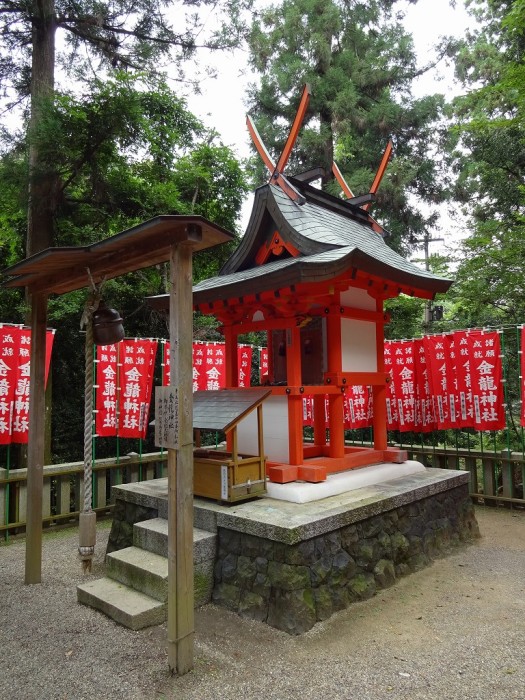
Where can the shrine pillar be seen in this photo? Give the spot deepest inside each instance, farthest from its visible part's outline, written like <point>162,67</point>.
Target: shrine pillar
<point>336,446</point>
<point>295,401</point>
<point>379,392</point>
<point>231,359</point>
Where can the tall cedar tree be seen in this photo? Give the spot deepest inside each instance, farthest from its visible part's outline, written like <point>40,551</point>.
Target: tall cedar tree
<point>487,148</point>
<point>360,63</point>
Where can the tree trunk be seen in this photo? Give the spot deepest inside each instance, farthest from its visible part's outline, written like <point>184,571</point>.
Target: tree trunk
<point>325,117</point>
<point>42,179</point>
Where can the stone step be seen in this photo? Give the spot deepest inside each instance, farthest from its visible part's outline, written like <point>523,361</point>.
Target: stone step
<point>126,606</point>
<point>152,535</point>
<point>141,570</point>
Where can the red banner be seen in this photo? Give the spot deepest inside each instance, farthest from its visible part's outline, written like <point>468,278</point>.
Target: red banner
<point>425,416</point>
<point>487,380</point>
<point>107,389</point>
<point>442,384</point>
<point>460,359</point>
<point>15,367</point>
<point>209,369</point>
<point>358,407</point>
<point>263,365</point>
<point>391,402</point>
<point>124,381</point>
<point>136,369</point>
<point>401,401</point>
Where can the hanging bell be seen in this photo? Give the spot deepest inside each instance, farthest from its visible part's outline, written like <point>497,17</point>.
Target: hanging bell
<point>107,326</point>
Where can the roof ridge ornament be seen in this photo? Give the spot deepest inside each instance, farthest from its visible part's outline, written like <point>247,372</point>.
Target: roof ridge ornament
<point>276,169</point>
<point>373,189</point>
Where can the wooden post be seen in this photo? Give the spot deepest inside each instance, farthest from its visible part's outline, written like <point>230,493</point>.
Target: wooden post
<point>379,392</point>
<point>180,468</point>
<point>35,455</point>
<point>295,402</point>
<point>335,401</point>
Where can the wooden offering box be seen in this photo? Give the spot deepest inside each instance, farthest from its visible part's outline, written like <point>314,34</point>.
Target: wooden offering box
<point>228,476</point>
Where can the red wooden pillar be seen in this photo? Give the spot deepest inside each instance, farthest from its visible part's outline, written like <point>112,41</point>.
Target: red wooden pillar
<point>335,401</point>
<point>319,420</point>
<point>379,392</point>
<point>295,402</point>
<point>231,357</point>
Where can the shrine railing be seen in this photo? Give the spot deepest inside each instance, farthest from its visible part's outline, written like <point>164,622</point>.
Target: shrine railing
<point>495,477</point>
<point>63,491</point>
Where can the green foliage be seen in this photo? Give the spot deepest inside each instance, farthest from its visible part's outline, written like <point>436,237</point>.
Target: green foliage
<point>99,37</point>
<point>406,317</point>
<point>487,147</point>
<point>359,63</point>
<point>124,154</point>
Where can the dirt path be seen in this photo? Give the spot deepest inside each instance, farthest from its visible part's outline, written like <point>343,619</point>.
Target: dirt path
<point>453,630</point>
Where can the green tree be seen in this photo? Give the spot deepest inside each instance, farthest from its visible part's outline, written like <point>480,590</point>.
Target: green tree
<point>98,37</point>
<point>487,146</point>
<point>360,64</point>
<point>154,158</point>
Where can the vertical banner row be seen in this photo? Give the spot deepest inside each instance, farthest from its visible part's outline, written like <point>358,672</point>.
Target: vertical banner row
<point>209,369</point>
<point>446,381</point>
<point>15,369</point>
<point>124,382</point>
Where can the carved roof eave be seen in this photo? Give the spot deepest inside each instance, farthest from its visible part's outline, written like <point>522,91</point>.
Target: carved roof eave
<point>324,267</point>
<point>254,236</point>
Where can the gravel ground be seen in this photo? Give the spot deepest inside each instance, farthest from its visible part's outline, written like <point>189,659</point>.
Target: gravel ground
<point>454,630</point>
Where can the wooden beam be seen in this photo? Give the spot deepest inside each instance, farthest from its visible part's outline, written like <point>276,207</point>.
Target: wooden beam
<point>35,455</point>
<point>294,131</point>
<point>180,468</point>
<point>380,171</point>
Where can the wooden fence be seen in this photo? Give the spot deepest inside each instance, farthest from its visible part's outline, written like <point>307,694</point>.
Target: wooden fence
<point>494,478</point>
<point>63,493</point>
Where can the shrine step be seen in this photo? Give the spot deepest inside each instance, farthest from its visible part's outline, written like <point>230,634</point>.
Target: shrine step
<point>152,535</point>
<point>143,571</point>
<point>135,591</point>
<point>126,606</point>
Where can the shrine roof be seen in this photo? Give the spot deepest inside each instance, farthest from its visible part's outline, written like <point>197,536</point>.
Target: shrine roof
<point>332,237</point>
<point>222,409</point>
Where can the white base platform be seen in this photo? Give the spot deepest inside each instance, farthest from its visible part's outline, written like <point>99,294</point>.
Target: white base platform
<point>335,484</point>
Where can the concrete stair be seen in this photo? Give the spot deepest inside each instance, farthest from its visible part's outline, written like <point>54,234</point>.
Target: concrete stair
<point>134,593</point>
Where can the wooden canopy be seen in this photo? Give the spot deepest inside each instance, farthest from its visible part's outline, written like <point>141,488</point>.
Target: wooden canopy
<point>61,270</point>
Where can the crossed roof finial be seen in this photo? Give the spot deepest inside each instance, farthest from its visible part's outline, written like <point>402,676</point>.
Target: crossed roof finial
<point>276,169</point>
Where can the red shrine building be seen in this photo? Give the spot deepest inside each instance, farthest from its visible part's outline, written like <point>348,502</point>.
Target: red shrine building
<point>312,271</point>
